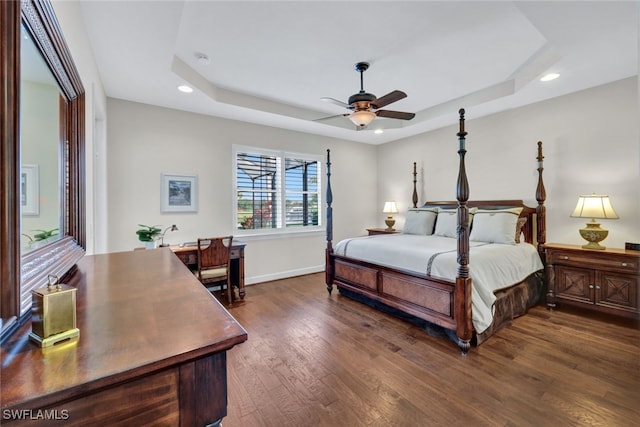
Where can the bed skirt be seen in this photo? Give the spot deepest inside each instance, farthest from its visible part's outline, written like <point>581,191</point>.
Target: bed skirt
<point>511,302</point>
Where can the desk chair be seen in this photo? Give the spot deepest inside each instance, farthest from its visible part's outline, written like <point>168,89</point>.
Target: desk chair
<point>214,263</point>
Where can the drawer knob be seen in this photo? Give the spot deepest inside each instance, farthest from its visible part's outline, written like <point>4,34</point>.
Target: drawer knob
<point>624,264</point>
<point>565,257</point>
<point>590,286</point>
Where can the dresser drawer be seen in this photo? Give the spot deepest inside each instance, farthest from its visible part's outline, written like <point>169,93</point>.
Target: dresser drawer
<point>619,263</point>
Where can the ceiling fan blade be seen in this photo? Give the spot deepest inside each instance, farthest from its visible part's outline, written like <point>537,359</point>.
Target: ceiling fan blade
<point>395,114</point>
<point>394,96</point>
<point>335,101</point>
<point>330,117</point>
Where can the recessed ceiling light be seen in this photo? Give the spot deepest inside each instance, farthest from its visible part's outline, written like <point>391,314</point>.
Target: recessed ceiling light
<point>203,59</point>
<point>185,89</point>
<point>549,77</point>
<point>378,131</point>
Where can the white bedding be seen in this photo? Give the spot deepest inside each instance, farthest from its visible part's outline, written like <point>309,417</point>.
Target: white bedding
<point>491,266</point>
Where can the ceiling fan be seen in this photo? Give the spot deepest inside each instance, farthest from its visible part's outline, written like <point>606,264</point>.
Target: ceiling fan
<point>366,106</point>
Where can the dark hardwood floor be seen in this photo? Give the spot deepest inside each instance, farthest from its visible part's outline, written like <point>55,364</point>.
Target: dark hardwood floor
<point>315,360</point>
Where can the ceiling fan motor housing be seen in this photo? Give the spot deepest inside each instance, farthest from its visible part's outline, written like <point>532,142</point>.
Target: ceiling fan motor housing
<point>361,100</point>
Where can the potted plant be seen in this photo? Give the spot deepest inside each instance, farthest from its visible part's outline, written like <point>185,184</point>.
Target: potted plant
<point>149,235</point>
<point>45,234</point>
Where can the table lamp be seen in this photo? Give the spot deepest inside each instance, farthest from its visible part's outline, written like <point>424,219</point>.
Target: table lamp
<point>173,228</point>
<point>390,208</point>
<point>594,206</point>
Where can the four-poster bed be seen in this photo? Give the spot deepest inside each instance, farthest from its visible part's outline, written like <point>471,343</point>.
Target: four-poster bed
<point>446,300</point>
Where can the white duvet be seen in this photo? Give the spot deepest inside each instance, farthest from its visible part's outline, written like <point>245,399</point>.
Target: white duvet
<point>491,266</point>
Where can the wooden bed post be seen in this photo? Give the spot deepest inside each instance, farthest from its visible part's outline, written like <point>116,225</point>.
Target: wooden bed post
<point>541,230</point>
<point>329,266</point>
<point>414,198</point>
<point>462,293</point>
<point>541,210</point>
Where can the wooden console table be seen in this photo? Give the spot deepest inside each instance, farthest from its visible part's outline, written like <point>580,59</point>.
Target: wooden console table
<point>152,351</point>
<point>188,254</point>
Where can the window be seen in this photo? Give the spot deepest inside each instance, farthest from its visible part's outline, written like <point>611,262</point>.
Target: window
<point>276,191</point>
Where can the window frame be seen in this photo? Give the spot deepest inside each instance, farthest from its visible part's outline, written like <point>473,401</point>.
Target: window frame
<point>281,156</point>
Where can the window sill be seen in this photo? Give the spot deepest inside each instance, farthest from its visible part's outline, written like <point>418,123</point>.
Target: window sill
<point>272,235</point>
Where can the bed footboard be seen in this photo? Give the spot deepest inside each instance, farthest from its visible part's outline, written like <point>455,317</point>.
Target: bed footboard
<point>430,299</point>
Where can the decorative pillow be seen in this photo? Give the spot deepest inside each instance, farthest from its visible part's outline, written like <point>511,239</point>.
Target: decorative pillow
<point>420,221</point>
<point>521,222</point>
<point>495,225</point>
<point>447,222</point>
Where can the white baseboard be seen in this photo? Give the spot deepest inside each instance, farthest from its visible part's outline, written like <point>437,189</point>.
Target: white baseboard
<point>283,275</point>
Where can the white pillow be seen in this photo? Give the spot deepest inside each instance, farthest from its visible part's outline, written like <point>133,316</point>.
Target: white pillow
<point>420,221</point>
<point>447,222</point>
<point>495,225</point>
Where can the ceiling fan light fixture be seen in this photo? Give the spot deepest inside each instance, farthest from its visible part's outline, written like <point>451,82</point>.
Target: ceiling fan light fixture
<point>362,117</point>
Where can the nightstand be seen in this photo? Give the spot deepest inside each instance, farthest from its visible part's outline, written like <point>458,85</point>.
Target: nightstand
<point>373,231</point>
<point>601,280</point>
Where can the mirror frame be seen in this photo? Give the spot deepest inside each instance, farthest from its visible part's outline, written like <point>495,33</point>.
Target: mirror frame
<point>16,272</point>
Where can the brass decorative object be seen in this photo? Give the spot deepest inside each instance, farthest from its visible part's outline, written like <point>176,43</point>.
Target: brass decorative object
<point>53,313</point>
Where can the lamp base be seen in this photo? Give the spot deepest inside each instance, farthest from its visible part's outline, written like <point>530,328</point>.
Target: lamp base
<point>593,234</point>
<point>594,245</point>
<point>390,223</point>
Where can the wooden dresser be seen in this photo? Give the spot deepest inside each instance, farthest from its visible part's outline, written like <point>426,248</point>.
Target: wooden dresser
<point>152,351</point>
<point>603,280</point>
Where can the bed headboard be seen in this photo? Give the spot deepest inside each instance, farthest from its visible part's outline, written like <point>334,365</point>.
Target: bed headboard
<point>534,230</point>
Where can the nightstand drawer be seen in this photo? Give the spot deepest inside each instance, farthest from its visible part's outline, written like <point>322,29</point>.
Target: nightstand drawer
<point>596,260</point>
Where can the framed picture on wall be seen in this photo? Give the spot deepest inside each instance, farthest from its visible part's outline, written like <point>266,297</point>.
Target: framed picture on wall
<point>178,193</point>
<point>30,190</point>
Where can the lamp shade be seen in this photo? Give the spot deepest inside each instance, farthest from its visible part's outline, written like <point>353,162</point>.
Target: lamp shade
<point>594,206</point>
<point>362,117</point>
<point>390,207</point>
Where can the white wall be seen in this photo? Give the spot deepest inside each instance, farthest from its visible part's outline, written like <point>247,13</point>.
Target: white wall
<point>590,143</point>
<point>39,145</point>
<point>145,141</point>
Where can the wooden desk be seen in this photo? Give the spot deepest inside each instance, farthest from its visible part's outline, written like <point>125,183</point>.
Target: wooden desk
<point>189,256</point>
<point>152,350</point>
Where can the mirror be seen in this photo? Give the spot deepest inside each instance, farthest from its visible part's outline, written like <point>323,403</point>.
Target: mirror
<point>43,186</point>
<point>39,150</point>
